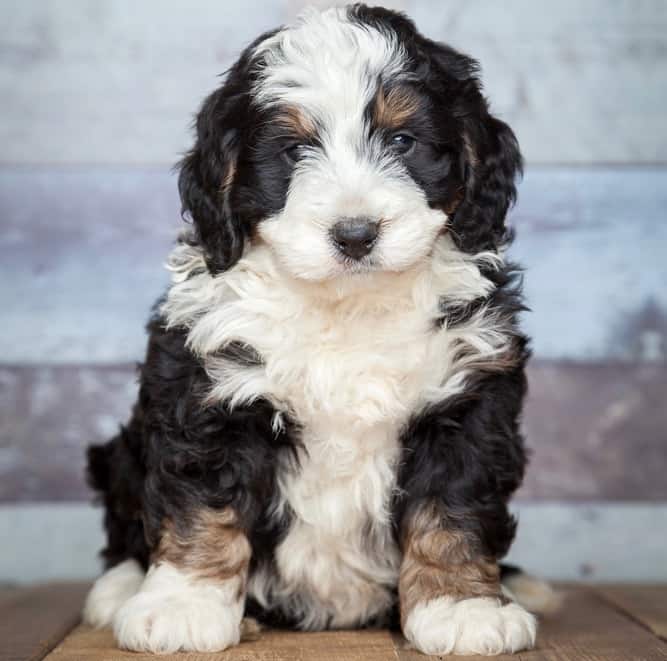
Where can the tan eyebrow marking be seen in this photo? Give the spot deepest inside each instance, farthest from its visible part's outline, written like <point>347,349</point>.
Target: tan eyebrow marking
<point>393,108</point>
<point>296,122</point>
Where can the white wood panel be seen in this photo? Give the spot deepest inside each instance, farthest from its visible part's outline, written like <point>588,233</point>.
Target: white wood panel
<point>81,256</point>
<point>580,81</point>
<point>593,246</point>
<point>567,542</point>
<point>117,81</point>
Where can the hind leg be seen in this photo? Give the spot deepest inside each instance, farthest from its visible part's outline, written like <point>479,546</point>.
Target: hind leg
<point>115,472</point>
<point>111,591</point>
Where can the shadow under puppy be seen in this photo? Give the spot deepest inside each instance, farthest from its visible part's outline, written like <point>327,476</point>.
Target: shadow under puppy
<point>326,433</point>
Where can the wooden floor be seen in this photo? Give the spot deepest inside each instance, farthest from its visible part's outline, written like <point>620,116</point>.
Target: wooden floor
<point>610,623</point>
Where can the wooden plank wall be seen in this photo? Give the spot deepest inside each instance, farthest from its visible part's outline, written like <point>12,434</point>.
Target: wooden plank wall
<point>96,102</point>
<point>116,81</point>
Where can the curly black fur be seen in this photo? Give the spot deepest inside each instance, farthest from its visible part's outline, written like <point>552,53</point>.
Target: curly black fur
<point>178,454</point>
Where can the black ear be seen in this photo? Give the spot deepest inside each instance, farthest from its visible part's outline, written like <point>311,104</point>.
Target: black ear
<point>206,183</point>
<point>491,163</point>
<point>490,156</point>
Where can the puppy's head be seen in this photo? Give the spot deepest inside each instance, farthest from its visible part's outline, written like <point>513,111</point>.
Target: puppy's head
<point>348,143</point>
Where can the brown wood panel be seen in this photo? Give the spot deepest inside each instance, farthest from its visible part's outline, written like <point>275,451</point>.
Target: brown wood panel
<point>588,628</point>
<point>595,431</point>
<point>34,620</point>
<point>585,629</point>
<point>647,604</point>
<point>47,418</point>
<point>6,591</point>
<point>85,644</point>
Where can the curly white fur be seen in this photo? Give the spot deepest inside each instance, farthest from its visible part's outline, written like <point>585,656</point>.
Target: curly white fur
<point>175,612</point>
<point>473,626</point>
<point>350,361</point>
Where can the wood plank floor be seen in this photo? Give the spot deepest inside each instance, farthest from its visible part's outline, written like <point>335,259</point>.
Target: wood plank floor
<point>603,623</point>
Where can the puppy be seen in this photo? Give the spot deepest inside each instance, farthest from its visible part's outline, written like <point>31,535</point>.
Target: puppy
<point>327,429</point>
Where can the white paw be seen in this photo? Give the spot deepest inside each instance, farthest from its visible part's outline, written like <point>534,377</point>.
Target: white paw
<point>111,591</point>
<point>172,613</point>
<point>481,625</point>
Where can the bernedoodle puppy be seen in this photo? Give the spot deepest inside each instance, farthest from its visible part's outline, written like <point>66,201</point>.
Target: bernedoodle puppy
<point>327,429</point>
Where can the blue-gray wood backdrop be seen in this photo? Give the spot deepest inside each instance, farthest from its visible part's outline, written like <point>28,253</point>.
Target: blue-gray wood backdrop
<point>96,100</point>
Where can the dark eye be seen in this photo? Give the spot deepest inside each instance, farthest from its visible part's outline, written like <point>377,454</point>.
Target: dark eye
<point>402,143</point>
<point>294,153</point>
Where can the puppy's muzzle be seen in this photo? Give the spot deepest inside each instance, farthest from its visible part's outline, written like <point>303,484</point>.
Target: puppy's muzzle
<point>354,237</point>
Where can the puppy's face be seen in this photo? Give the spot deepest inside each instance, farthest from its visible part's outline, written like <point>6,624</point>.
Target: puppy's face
<point>348,144</point>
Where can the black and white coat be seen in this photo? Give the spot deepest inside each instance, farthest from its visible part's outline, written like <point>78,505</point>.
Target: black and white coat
<point>322,438</point>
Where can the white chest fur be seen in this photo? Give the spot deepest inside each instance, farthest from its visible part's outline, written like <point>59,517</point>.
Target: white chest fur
<point>350,367</point>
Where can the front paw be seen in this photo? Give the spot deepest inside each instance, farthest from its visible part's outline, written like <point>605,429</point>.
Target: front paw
<point>481,625</point>
<point>192,621</point>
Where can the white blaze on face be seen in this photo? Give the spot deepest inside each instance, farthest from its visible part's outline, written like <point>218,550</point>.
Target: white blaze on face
<point>329,67</point>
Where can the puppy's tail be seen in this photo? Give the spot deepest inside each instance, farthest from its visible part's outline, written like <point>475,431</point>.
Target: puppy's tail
<point>115,472</point>
<point>99,466</point>
<point>531,592</point>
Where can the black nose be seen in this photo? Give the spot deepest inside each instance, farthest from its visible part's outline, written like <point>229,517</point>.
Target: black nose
<point>355,237</point>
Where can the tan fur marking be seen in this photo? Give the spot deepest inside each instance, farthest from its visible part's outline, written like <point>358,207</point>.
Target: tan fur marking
<point>439,562</point>
<point>504,362</point>
<point>228,179</point>
<point>508,360</point>
<point>471,156</point>
<point>214,548</point>
<point>454,204</point>
<point>296,122</point>
<point>251,629</point>
<point>393,109</point>
<point>469,150</point>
